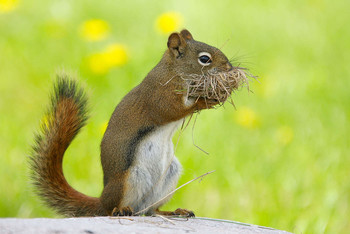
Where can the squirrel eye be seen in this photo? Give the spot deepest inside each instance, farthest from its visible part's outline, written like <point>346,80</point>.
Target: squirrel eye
<point>204,59</point>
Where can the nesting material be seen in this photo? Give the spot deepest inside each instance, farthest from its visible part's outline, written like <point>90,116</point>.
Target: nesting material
<point>217,85</point>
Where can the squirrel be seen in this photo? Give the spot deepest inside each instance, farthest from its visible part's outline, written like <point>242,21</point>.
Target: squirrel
<point>137,153</point>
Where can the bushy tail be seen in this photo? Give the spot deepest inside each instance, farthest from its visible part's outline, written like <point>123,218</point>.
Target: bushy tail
<point>66,116</point>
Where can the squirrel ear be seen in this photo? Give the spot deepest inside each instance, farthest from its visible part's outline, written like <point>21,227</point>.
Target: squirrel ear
<point>186,34</point>
<point>176,44</point>
<point>174,41</point>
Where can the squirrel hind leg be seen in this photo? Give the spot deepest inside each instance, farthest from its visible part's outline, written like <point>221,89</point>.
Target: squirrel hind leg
<point>177,212</point>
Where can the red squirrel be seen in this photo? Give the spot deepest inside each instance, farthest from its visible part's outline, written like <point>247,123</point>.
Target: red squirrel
<point>137,153</point>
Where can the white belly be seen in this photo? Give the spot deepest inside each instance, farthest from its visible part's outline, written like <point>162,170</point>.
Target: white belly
<point>155,171</point>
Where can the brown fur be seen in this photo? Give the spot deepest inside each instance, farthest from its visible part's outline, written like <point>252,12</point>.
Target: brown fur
<point>178,211</point>
<point>153,103</point>
<point>63,122</point>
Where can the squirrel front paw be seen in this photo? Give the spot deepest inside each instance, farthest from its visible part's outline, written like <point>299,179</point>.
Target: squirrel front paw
<point>204,103</point>
<point>124,211</point>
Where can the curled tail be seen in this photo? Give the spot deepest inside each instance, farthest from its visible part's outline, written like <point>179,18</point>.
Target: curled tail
<point>66,116</point>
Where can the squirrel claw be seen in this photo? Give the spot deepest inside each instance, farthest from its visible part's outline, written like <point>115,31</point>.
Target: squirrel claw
<point>124,211</point>
<point>184,212</point>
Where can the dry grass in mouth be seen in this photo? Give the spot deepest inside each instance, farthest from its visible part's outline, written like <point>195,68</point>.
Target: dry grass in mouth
<point>217,86</point>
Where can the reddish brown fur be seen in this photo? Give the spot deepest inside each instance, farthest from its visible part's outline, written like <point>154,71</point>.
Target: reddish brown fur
<point>63,123</point>
<point>67,118</point>
<point>153,103</point>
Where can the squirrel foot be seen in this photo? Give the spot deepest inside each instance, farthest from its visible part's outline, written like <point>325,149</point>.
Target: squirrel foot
<point>178,211</point>
<point>184,212</point>
<point>124,211</point>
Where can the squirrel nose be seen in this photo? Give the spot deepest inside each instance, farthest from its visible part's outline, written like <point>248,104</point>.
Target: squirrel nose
<point>228,66</point>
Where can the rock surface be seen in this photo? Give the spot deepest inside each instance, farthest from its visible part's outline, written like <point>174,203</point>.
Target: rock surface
<point>128,225</point>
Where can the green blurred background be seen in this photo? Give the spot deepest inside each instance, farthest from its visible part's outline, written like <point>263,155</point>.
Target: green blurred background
<point>281,158</point>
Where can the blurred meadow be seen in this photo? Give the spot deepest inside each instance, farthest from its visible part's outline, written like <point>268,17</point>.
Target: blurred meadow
<point>282,157</point>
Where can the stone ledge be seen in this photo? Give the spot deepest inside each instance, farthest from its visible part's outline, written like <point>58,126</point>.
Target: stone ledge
<point>110,225</point>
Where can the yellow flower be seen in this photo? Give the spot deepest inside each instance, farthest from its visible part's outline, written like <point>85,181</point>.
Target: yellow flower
<point>169,22</point>
<point>97,63</point>
<point>103,127</point>
<point>284,135</point>
<point>113,56</point>
<point>8,5</point>
<point>246,117</point>
<point>94,30</point>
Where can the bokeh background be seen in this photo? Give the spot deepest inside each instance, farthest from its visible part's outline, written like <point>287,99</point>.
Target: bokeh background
<point>281,157</point>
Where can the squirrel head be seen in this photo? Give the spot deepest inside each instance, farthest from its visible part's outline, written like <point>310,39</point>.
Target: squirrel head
<point>189,56</point>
